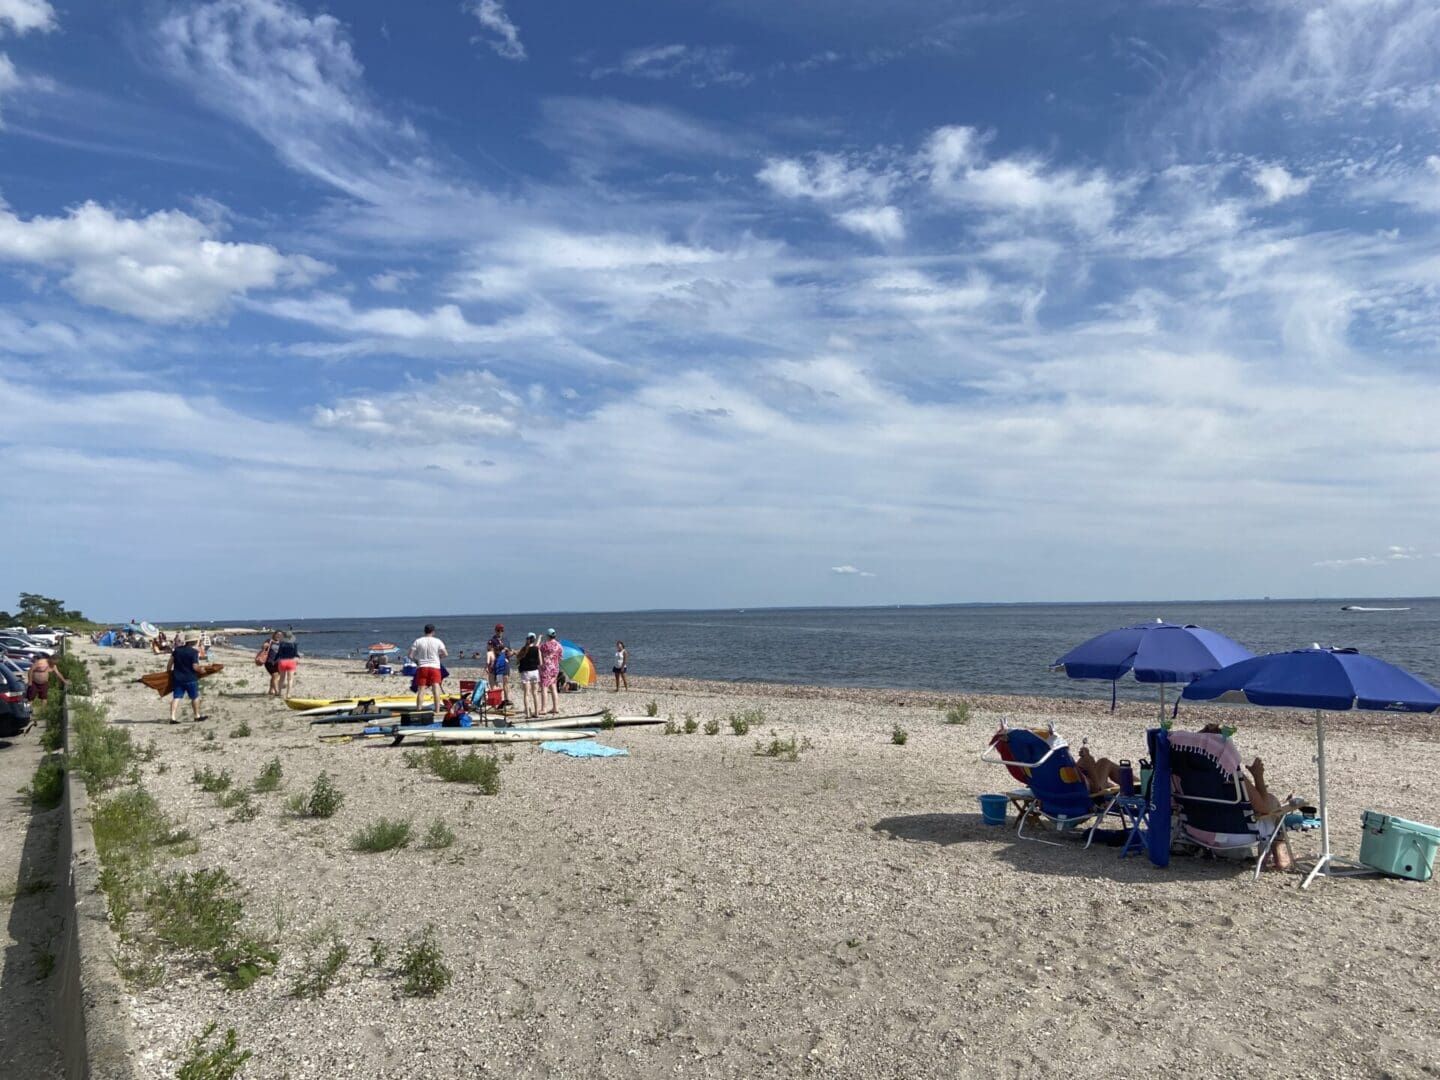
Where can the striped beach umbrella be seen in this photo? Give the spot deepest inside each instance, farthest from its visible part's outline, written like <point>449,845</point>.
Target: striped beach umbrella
<point>575,662</point>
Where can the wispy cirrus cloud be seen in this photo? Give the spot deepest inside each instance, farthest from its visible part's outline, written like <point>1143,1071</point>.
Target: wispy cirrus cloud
<point>1394,554</point>
<point>499,32</point>
<point>850,571</point>
<point>699,65</point>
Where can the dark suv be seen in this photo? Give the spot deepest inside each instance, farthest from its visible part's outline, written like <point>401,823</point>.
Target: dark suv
<point>14,709</point>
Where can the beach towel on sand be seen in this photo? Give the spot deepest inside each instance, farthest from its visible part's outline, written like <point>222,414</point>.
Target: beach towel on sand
<point>583,748</point>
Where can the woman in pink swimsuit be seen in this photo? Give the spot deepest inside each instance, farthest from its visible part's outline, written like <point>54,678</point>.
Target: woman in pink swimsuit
<point>549,671</point>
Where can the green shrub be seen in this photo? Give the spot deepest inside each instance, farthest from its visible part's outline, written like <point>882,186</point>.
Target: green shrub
<point>241,731</point>
<point>201,912</point>
<point>784,749</point>
<point>439,835</point>
<point>899,736</point>
<point>323,800</point>
<point>691,724</point>
<point>423,966</point>
<point>102,754</point>
<point>607,719</point>
<point>482,770</point>
<point>208,780</point>
<point>712,726</point>
<point>671,728</point>
<point>221,1062</point>
<point>742,722</point>
<point>77,677</point>
<point>269,778</point>
<point>319,974</point>
<point>382,835</point>
<point>652,708</point>
<point>47,786</point>
<point>957,713</point>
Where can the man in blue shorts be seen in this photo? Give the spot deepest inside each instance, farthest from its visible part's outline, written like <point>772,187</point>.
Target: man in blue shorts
<point>185,681</point>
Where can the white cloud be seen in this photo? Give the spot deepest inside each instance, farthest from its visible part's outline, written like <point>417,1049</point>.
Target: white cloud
<point>884,224</point>
<point>850,571</point>
<point>824,178</point>
<point>1395,553</point>
<point>442,325</point>
<point>473,405</point>
<point>23,16</point>
<point>700,65</point>
<point>166,267</point>
<point>390,281</point>
<point>959,171</point>
<point>1277,184</point>
<point>501,34</point>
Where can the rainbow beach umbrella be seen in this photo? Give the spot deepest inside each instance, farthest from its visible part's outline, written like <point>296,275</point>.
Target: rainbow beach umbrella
<point>575,662</point>
<point>380,648</point>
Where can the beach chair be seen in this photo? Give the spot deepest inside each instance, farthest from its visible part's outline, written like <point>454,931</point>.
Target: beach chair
<point>1059,795</point>
<point>1209,792</point>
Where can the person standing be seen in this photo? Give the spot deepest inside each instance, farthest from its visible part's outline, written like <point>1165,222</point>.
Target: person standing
<point>184,680</point>
<point>287,662</point>
<point>622,664</point>
<point>497,661</point>
<point>427,652</point>
<point>550,652</point>
<point>527,661</point>
<point>37,683</point>
<point>269,656</point>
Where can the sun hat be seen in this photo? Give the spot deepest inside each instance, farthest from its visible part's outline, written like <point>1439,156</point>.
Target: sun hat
<point>530,636</point>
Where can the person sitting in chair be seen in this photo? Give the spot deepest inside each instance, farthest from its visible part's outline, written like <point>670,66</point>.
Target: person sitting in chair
<point>1268,810</point>
<point>1101,774</point>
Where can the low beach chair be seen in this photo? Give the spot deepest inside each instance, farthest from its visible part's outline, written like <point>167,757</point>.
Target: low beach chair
<point>1209,791</point>
<point>1059,794</point>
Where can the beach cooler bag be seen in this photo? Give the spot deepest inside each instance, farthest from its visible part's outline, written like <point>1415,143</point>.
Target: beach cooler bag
<point>1398,847</point>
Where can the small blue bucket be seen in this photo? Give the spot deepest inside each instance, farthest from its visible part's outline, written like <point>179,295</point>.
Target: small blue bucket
<point>992,808</point>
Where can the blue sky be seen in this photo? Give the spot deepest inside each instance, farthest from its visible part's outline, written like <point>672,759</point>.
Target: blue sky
<point>498,304</point>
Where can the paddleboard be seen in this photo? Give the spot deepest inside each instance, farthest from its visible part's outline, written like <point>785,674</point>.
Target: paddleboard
<point>316,706</point>
<point>560,723</point>
<point>419,736</point>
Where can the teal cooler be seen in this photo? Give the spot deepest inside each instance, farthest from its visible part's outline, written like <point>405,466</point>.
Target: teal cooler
<point>1398,847</point>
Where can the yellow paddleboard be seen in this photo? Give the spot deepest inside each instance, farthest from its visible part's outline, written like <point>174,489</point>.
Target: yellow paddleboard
<point>302,704</point>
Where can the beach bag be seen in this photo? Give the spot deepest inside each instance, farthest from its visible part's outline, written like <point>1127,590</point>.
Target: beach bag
<point>262,655</point>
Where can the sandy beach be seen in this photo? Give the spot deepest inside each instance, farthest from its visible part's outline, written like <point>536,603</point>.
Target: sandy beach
<point>696,909</point>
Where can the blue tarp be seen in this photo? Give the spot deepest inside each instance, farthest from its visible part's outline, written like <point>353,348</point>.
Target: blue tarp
<point>107,638</point>
<point>583,748</point>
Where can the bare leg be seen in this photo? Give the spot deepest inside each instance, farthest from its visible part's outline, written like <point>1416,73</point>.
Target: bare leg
<point>1268,806</point>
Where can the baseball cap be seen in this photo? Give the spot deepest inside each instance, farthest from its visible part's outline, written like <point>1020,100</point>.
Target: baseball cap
<point>550,632</point>
<point>499,626</point>
<point>530,636</point>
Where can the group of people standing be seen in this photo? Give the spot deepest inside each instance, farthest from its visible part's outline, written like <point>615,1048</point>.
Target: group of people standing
<point>280,657</point>
<point>537,661</point>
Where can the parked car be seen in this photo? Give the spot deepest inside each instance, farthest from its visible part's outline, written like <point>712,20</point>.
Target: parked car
<point>25,646</point>
<point>14,709</point>
<point>42,635</point>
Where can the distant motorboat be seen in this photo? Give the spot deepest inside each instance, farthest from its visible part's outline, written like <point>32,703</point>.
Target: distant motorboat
<point>1358,607</point>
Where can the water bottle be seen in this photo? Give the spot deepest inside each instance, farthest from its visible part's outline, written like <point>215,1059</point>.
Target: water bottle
<point>1127,778</point>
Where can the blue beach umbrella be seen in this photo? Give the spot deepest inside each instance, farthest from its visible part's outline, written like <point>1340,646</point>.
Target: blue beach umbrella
<point>1319,679</point>
<point>1157,652</point>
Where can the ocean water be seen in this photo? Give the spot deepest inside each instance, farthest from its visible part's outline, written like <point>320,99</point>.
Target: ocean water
<point>1003,649</point>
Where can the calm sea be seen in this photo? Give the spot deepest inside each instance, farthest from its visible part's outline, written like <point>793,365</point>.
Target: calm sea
<point>1002,649</point>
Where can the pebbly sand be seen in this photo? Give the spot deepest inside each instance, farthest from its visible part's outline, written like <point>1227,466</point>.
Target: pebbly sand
<point>697,910</point>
